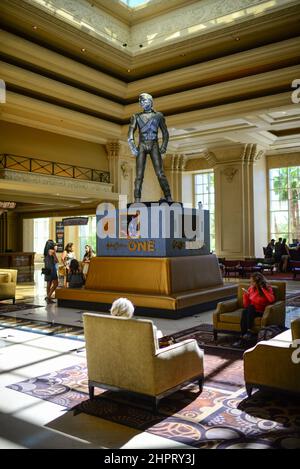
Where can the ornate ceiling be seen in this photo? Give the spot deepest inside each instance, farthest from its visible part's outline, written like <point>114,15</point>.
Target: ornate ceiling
<point>221,71</point>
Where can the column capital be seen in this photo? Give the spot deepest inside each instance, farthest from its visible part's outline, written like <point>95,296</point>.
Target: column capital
<point>251,153</point>
<point>210,157</point>
<point>116,148</point>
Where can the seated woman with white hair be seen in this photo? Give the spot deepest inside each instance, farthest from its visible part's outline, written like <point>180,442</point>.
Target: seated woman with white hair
<point>123,307</point>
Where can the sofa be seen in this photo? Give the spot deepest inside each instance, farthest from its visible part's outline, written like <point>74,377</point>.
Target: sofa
<point>227,317</point>
<point>8,283</point>
<point>123,354</point>
<point>269,365</point>
<point>158,287</point>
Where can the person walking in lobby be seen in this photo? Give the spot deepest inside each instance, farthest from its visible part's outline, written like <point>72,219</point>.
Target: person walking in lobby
<point>51,272</point>
<point>255,299</point>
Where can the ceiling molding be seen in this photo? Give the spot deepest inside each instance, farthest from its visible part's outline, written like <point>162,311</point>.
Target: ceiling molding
<point>274,25</point>
<point>41,115</point>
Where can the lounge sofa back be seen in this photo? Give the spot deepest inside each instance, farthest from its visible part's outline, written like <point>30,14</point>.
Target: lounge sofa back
<point>157,276</point>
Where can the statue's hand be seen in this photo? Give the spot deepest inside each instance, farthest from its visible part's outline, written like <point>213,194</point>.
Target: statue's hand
<point>162,150</point>
<point>134,150</point>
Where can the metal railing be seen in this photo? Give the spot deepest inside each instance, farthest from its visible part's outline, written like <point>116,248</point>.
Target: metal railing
<point>52,168</point>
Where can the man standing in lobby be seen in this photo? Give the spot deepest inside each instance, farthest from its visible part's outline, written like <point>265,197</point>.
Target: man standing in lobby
<point>148,122</point>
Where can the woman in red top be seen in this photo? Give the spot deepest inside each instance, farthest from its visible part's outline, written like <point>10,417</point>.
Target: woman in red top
<point>255,299</point>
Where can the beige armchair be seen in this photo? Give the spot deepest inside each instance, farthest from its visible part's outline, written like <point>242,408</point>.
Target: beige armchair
<point>227,317</point>
<point>8,283</point>
<point>123,354</point>
<point>274,364</point>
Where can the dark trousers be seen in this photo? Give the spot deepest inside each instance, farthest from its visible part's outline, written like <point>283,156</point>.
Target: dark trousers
<point>153,149</point>
<point>247,320</point>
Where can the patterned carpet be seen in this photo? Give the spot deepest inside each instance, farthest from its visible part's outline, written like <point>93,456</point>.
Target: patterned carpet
<point>204,336</point>
<point>217,418</point>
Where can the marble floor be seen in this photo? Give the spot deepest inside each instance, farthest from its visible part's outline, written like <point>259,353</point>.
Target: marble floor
<point>28,422</point>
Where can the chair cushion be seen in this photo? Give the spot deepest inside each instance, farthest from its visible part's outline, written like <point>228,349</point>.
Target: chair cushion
<point>5,278</point>
<point>234,317</point>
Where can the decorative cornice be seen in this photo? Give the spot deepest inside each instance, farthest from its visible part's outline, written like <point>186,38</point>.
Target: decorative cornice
<point>67,184</point>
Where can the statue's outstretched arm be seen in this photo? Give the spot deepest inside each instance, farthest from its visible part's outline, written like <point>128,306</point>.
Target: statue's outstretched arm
<point>131,130</point>
<point>165,134</point>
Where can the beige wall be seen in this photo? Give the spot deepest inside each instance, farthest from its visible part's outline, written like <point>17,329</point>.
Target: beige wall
<point>26,141</point>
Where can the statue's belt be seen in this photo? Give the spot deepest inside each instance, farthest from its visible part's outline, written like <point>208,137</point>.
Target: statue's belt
<point>149,140</point>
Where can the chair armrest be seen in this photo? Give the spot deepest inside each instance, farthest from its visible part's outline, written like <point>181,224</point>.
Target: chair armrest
<point>171,347</point>
<point>274,314</point>
<point>176,364</point>
<point>225,307</point>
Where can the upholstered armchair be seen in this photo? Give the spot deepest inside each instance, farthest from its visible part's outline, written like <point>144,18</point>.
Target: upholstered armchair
<point>8,283</point>
<point>274,364</point>
<point>227,317</point>
<point>123,354</point>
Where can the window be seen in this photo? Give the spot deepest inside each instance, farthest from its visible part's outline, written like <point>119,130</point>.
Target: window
<point>41,234</point>
<point>134,3</point>
<point>87,235</point>
<point>284,203</point>
<point>204,187</point>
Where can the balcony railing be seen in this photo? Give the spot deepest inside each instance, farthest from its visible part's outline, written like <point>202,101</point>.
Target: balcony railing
<point>52,168</point>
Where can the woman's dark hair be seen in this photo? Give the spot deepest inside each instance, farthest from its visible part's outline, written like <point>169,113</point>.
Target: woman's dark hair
<point>68,247</point>
<point>260,282</point>
<point>49,245</point>
<point>90,251</point>
<point>74,266</point>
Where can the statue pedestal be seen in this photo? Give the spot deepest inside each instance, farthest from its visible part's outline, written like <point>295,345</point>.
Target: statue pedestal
<point>158,257</point>
<point>153,230</point>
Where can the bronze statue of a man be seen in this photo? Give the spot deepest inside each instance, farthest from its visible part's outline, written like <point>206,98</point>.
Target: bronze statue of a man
<point>148,122</point>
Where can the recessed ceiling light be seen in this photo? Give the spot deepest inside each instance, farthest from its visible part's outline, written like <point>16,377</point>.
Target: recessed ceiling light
<point>34,27</point>
<point>237,38</point>
<point>128,70</point>
<point>83,49</point>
